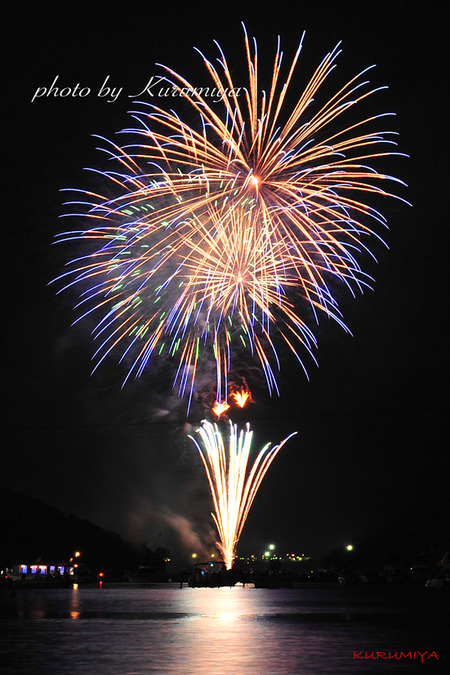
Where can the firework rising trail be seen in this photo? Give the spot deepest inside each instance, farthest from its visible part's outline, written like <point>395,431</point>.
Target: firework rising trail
<point>233,479</point>
<point>228,233</point>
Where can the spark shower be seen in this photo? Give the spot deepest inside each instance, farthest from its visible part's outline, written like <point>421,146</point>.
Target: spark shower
<point>231,233</point>
<point>232,481</point>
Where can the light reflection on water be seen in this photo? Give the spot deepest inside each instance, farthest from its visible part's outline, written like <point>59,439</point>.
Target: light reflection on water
<point>132,630</point>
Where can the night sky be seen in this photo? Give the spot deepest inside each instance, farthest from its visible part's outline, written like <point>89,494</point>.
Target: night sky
<point>371,421</point>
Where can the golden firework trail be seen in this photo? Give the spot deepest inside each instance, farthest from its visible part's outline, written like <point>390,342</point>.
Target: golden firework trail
<point>220,407</point>
<point>233,479</point>
<point>241,397</point>
<point>232,232</point>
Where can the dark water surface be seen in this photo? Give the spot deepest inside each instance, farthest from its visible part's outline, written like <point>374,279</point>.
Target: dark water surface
<point>127,630</point>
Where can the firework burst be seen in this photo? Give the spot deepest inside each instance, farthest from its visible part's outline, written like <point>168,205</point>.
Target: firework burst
<point>224,232</point>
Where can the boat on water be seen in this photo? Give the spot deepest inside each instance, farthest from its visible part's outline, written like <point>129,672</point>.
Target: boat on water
<point>211,574</point>
<point>439,581</point>
<point>148,574</point>
<point>152,569</point>
<point>273,580</point>
<point>39,574</point>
